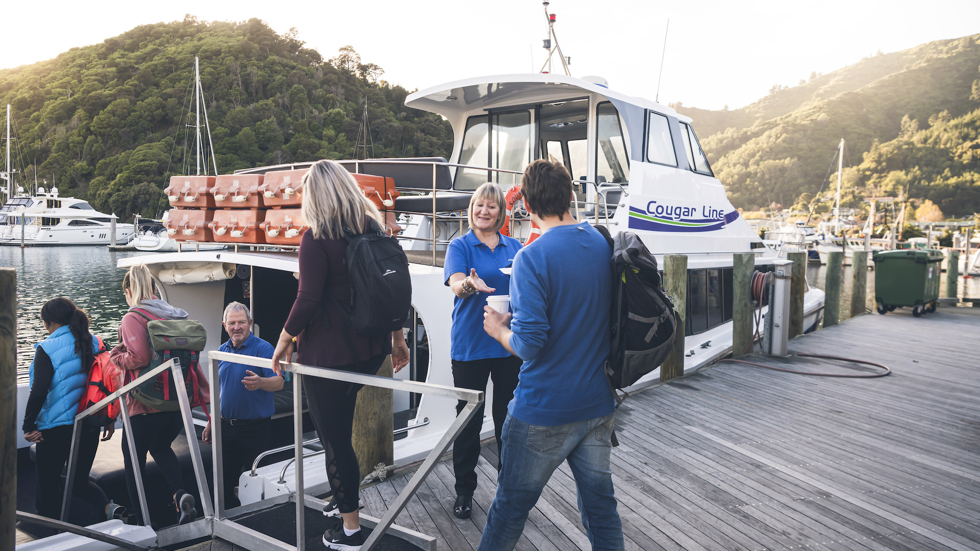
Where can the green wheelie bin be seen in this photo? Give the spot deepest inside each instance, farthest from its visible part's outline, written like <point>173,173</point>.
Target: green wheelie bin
<point>907,277</point>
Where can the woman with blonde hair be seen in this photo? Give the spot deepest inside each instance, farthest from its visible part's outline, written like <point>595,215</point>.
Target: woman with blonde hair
<point>473,272</point>
<point>153,430</point>
<point>334,205</point>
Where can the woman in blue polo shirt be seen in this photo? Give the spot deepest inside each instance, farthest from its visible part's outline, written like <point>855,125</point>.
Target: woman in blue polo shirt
<point>472,270</point>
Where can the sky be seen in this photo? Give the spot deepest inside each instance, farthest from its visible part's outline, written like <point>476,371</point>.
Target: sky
<point>718,53</point>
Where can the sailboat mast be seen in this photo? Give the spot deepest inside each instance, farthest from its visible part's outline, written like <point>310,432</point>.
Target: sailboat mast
<point>840,167</point>
<point>10,180</point>
<point>197,114</point>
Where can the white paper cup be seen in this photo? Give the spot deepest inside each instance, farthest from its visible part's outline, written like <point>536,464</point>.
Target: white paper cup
<point>500,303</point>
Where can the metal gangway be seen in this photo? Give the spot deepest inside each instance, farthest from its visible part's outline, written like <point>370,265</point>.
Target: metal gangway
<point>216,523</point>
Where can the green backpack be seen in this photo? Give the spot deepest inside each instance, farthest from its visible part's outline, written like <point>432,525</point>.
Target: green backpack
<point>172,339</point>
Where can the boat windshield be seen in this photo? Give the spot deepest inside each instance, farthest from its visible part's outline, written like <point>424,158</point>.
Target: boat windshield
<point>509,139</point>
<point>699,163</point>
<point>14,203</point>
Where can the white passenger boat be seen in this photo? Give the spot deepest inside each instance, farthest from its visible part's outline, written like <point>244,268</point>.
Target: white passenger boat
<point>637,166</point>
<point>44,218</point>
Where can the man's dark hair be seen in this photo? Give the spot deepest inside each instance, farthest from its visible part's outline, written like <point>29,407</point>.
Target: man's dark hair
<point>547,188</point>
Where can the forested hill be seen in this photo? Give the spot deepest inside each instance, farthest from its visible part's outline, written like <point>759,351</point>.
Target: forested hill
<point>909,119</point>
<point>108,122</point>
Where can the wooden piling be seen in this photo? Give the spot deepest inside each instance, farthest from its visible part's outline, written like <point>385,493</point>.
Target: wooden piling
<point>859,289</point>
<point>832,288</point>
<point>8,407</point>
<point>742,308</point>
<point>373,425</point>
<point>797,290</point>
<point>675,283</point>
<point>952,273</point>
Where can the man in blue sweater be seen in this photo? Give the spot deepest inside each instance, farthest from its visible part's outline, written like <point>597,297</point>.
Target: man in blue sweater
<point>562,409</point>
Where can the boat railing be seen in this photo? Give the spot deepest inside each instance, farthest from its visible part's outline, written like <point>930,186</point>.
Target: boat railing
<point>185,411</point>
<point>238,534</point>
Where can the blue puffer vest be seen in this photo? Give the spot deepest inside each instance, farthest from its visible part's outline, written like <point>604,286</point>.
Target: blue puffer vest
<point>68,384</point>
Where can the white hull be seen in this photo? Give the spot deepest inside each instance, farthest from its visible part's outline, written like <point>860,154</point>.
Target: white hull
<point>58,236</point>
<point>160,242</point>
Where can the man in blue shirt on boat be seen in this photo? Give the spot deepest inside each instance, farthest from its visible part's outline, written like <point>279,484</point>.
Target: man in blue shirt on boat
<point>560,292</point>
<point>246,399</point>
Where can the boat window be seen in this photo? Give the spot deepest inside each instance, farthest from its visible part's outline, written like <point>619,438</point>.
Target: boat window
<point>475,151</point>
<point>612,163</point>
<point>511,145</point>
<point>697,302</point>
<point>715,298</point>
<point>83,223</point>
<point>50,221</point>
<point>709,299</point>
<point>81,206</point>
<point>105,220</point>
<point>660,148</point>
<point>693,149</point>
<point>566,124</point>
<point>54,204</point>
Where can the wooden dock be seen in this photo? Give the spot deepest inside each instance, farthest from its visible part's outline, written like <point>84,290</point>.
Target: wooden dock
<point>739,457</point>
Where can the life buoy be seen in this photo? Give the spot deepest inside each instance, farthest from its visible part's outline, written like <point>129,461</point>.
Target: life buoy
<point>511,199</point>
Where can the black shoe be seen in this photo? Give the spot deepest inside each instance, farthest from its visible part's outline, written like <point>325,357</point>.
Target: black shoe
<point>187,507</point>
<point>332,509</point>
<point>463,507</point>
<point>338,539</point>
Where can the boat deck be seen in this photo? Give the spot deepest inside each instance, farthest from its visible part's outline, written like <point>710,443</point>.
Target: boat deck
<point>738,457</point>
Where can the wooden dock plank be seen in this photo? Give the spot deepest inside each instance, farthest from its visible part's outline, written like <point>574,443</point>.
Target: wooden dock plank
<point>738,457</point>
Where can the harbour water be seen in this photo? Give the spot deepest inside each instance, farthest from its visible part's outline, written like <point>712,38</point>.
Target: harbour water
<point>89,277</point>
<point>86,275</point>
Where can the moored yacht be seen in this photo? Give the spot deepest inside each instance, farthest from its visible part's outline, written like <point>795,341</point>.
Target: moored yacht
<point>45,218</point>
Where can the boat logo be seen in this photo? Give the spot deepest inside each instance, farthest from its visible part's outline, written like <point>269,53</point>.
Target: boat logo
<point>662,217</point>
<point>388,272</point>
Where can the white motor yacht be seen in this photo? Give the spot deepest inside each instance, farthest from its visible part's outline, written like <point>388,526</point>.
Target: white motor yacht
<point>47,219</point>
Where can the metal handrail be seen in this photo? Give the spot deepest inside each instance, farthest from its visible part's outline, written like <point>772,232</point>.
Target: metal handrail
<point>80,530</point>
<point>234,532</point>
<point>267,453</point>
<point>185,410</point>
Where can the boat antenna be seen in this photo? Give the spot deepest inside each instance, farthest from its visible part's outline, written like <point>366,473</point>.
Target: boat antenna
<point>840,169</point>
<point>662,54</point>
<point>826,178</point>
<point>547,43</point>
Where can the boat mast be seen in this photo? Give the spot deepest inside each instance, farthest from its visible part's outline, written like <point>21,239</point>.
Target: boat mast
<point>197,115</point>
<point>547,43</point>
<point>7,174</point>
<point>840,167</point>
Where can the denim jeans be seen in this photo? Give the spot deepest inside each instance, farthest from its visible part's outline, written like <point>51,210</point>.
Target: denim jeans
<point>531,454</point>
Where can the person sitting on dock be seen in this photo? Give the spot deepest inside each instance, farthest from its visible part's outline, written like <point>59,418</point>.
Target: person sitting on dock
<point>560,291</point>
<point>247,402</point>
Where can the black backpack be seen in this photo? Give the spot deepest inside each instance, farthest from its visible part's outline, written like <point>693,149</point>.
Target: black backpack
<point>643,321</point>
<point>381,287</point>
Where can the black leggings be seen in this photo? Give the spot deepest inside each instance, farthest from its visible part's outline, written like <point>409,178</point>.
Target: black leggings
<point>331,404</point>
<point>473,375</point>
<point>50,460</point>
<point>153,433</point>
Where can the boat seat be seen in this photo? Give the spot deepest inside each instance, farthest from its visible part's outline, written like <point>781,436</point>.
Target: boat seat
<point>448,201</point>
<point>413,172</point>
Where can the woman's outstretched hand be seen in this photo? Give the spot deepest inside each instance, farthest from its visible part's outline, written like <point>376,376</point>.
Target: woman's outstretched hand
<point>478,283</point>
<point>284,351</point>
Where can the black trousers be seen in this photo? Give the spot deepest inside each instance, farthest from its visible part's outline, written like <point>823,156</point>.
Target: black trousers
<point>51,459</point>
<point>473,375</point>
<point>331,405</point>
<point>153,433</point>
<point>241,443</point>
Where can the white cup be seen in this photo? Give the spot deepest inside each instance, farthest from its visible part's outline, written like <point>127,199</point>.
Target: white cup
<point>500,303</point>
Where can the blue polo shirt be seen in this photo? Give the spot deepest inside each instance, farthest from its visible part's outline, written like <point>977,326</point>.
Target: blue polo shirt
<point>238,402</point>
<point>469,340</point>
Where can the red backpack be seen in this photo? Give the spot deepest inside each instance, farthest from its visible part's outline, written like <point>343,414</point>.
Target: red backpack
<point>103,380</point>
